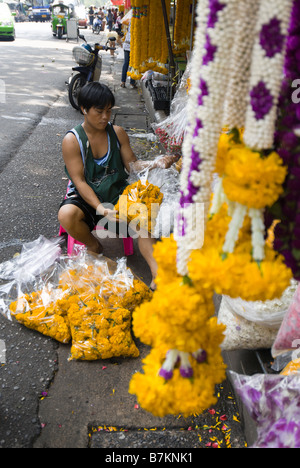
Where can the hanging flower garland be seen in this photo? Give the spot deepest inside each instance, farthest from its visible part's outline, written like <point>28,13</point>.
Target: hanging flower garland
<point>209,77</point>
<point>266,73</point>
<point>185,364</point>
<point>136,34</point>
<point>232,258</point>
<point>155,31</point>
<point>144,44</point>
<point>253,173</point>
<point>162,65</point>
<point>249,182</point>
<point>287,143</point>
<point>149,47</point>
<point>183,384</point>
<point>183,21</point>
<point>240,64</point>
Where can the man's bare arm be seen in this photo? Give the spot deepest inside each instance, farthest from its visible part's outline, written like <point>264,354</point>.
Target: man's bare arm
<point>74,165</point>
<point>131,161</point>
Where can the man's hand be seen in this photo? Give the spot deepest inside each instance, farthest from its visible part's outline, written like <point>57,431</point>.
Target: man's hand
<point>111,215</point>
<point>107,212</point>
<point>166,161</point>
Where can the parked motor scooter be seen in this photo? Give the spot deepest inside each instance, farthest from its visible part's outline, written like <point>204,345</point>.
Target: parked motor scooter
<point>97,25</point>
<point>89,70</point>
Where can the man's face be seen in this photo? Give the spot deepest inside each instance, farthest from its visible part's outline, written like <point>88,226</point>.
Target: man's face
<point>99,118</point>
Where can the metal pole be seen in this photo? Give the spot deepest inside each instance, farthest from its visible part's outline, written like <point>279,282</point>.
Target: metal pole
<point>171,56</point>
<point>192,25</point>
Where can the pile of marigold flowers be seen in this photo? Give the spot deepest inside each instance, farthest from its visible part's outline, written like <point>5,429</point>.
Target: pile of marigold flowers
<point>140,202</point>
<point>89,306</point>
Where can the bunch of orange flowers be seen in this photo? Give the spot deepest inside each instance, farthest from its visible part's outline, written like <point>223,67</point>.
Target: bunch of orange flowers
<point>90,306</point>
<point>140,203</point>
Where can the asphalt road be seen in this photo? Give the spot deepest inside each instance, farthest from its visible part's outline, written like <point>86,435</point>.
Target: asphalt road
<point>33,72</point>
<point>34,114</point>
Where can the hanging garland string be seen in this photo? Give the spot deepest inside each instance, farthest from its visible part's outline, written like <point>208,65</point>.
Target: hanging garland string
<point>136,34</point>
<point>182,31</point>
<point>254,174</point>
<point>149,47</point>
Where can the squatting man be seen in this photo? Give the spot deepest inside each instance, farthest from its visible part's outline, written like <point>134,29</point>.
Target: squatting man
<point>97,158</point>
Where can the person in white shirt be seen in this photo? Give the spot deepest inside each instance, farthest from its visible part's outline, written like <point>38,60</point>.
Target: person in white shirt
<point>126,48</point>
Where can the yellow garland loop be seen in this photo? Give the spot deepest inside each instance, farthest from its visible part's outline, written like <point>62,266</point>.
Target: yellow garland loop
<point>183,23</point>
<point>149,47</point>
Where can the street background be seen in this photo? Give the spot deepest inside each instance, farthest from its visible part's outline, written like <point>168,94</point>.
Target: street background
<point>46,400</point>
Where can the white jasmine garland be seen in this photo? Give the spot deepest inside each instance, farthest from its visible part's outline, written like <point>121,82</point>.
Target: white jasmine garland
<point>218,197</point>
<point>215,74</point>
<point>244,36</point>
<point>259,132</point>
<point>192,106</point>
<point>258,231</point>
<point>235,225</point>
<point>238,212</point>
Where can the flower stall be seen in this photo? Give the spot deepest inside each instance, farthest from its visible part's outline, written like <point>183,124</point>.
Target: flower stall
<point>161,34</point>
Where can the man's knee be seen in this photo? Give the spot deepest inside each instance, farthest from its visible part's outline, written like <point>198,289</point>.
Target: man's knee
<point>69,215</point>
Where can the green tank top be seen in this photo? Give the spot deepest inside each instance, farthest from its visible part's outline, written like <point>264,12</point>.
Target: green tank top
<point>109,178</point>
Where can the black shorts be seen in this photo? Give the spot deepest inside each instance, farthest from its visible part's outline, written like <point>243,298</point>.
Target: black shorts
<point>92,218</point>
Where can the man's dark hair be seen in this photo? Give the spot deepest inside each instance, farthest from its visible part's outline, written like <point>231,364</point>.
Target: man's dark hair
<point>95,95</point>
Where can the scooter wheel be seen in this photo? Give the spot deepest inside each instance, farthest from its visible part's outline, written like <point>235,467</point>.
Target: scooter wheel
<point>77,82</point>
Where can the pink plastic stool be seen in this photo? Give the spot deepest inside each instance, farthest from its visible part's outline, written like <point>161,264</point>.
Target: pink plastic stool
<point>127,242</point>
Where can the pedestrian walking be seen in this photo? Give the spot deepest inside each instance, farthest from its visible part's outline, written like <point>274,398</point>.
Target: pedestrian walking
<point>126,48</point>
<point>91,15</point>
<point>110,20</point>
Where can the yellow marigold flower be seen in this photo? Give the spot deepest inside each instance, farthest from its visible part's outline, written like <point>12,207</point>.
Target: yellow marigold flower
<point>141,199</point>
<point>227,141</point>
<point>101,333</point>
<point>253,180</point>
<point>180,304</point>
<point>144,323</point>
<point>179,395</point>
<point>165,253</point>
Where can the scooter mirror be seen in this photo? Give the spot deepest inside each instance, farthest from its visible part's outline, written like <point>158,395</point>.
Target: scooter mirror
<point>82,37</point>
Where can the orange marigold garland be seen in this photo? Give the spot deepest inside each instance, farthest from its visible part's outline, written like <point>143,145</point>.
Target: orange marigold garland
<point>183,24</point>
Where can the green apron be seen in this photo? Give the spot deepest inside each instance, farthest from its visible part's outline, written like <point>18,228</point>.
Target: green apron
<point>109,180</point>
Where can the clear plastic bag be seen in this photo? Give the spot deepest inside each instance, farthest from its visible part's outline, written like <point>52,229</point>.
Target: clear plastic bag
<point>288,337</point>
<point>80,298</point>
<point>100,333</point>
<point>139,204</point>
<point>243,334</point>
<point>273,401</point>
<point>171,131</point>
<point>35,258</point>
<point>168,181</point>
<point>44,311</point>
<point>28,270</point>
<point>268,314</point>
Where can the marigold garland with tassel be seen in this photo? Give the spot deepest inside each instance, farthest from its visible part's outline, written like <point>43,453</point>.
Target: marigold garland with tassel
<point>183,22</point>
<point>149,46</point>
